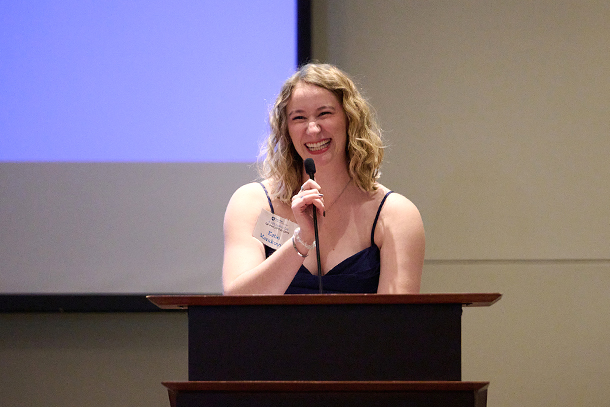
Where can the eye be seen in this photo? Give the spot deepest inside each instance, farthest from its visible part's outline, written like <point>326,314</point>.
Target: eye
<point>324,113</point>
<point>297,118</point>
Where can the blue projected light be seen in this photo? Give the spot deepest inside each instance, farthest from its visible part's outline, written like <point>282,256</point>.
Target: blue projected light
<point>159,81</point>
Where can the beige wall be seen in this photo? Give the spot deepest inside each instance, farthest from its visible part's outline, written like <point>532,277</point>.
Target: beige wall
<point>92,360</point>
<point>498,122</point>
<point>497,118</point>
<point>497,115</point>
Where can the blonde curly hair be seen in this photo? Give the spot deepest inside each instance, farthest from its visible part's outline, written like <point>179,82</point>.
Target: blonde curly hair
<point>283,165</point>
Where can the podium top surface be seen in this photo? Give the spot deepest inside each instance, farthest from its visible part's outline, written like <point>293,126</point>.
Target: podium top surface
<point>326,386</point>
<point>185,301</point>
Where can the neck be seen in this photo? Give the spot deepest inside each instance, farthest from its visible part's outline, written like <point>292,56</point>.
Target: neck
<point>333,182</point>
<point>330,178</point>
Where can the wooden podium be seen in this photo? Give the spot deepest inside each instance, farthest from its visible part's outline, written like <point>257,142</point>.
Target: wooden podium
<point>325,349</point>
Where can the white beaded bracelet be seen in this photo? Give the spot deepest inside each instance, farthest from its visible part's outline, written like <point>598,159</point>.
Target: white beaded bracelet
<point>298,237</point>
<point>297,249</point>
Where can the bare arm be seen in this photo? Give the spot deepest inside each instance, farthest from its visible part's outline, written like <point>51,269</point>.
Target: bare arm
<point>245,269</point>
<point>402,243</point>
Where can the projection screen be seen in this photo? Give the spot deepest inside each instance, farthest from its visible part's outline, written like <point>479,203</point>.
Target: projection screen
<point>125,128</point>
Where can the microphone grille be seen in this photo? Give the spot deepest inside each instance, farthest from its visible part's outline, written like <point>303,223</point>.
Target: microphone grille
<point>310,166</point>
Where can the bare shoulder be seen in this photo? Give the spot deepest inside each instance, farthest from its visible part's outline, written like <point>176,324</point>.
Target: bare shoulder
<point>397,204</point>
<point>253,190</point>
<point>246,202</point>
<point>399,216</point>
<point>402,242</point>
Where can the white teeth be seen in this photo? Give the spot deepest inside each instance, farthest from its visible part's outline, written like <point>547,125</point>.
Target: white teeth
<point>317,146</point>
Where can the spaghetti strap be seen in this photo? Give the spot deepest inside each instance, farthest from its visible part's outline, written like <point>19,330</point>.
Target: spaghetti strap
<point>269,199</point>
<point>377,217</point>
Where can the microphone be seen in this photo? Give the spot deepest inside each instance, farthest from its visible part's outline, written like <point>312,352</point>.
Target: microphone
<point>310,169</point>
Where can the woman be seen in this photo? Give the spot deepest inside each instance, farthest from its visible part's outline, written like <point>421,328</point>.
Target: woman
<point>370,240</point>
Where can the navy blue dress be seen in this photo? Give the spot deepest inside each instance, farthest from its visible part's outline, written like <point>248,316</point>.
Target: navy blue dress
<point>358,274</point>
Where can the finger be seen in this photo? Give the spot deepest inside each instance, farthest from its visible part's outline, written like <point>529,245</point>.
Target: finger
<point>306,196</point>
<point>319,204</point>
<point>305,204</point>
<point>302,202</point>
<point>310,196</point>
<point>310,184</point>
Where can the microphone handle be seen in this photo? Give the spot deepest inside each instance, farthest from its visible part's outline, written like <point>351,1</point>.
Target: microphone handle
<point>315,228</point>
<point>310,169</point>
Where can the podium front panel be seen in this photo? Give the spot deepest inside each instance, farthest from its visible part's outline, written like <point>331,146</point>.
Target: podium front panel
<point>353,399</point>
<point>306,394</point>
<point>325,342</point>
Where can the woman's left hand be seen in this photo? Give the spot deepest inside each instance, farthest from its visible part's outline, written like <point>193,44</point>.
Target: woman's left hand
<point>308,198</point>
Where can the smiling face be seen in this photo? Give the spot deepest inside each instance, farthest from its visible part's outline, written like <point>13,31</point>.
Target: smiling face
<point>317,124</point>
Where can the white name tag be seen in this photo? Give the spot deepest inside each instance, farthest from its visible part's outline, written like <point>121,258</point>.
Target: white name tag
<point>273,230</point>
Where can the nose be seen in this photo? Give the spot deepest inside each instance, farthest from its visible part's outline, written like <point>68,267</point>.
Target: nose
<point>313,128</point>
